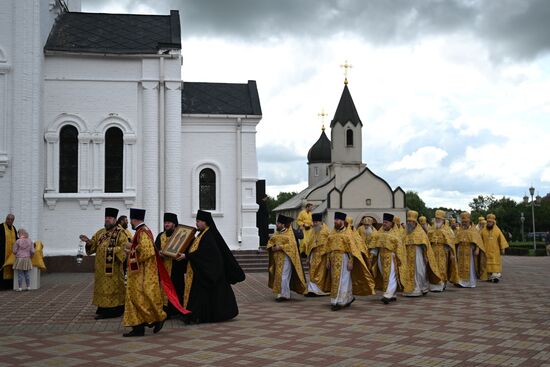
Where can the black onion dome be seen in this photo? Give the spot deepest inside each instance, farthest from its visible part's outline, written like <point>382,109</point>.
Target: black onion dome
<point>321,151</point>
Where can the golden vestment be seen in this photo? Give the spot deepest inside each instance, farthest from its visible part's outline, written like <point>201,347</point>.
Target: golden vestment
<point>304,220</point>
<point>38,256</point>
<point>316,250</point>
<point>287,241</point>
<point>10,238</point>
<point>367,238</point>
<point>464,239</point>
<point>143,298</point>
<point>440,239</point>
<point>388,243</point>
<point>418,237</point>
<point>495,243</point>
<point>342,242</point>
<point>108,247</point>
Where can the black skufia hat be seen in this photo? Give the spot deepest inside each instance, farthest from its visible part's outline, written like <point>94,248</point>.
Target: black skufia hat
<point>171,217</point>
<point>138,214</point>
<point>111,212</point>
<point>284,219</point>
<point>340,215</point>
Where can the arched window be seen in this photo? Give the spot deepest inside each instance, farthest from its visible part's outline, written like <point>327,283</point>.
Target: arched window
<point>349,137</point>
<point>68,159</point>
<point>207,189</point>
<point>114,158</point>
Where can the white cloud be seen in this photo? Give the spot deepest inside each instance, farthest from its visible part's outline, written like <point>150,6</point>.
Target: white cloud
<point>545,175</point>
<point>422,158</point>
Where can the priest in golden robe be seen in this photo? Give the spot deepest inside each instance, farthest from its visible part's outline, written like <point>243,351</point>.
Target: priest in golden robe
<point>315,249</point>
<point>480,223</point>
<point>470,254</point>
<point>305,221</point>
<point>397,225</point>
<point>422,267</point>
<point>359,242</point>
<point>442,240</point>
<point>108,245</point>
<point>349,273</point>
<point>285,267</point>
<point>423,221</point>
<point>495,243</point>
<point>8,236</point>
<point>143,297</point>
<point>388,261</point>
<point>366,229</point>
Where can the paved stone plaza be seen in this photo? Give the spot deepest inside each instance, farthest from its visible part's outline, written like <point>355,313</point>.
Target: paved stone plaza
<point>505,324</point>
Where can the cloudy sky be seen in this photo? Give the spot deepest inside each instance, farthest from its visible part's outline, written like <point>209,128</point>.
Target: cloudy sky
<point>454,95</point>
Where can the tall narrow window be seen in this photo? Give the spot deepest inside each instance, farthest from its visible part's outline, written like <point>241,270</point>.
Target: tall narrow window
<point>349,137</point>
<point>207,189</point>
<point>68,159</point>
<point>114,158</point>
<point>316,171</point>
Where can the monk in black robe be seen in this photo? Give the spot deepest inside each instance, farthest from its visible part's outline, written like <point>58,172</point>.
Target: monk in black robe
<point>211,269</point>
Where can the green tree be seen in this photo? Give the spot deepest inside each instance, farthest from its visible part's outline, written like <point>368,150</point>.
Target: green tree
<point>414,202</point>
<point>480,206</point>
<point>272,203</point>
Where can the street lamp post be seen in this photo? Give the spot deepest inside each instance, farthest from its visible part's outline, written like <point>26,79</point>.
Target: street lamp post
<point>526,200</point>
<point>522,219</point>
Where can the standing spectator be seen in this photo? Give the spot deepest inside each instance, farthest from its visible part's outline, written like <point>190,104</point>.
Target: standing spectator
<point>23,250</point>
<point>547,241</point>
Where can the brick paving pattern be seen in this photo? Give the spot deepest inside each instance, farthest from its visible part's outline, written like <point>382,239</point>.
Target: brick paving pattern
<point>505,324</point>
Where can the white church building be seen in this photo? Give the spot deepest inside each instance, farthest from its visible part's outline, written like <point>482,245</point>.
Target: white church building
<point>338,180</point>
<point>94,114</point>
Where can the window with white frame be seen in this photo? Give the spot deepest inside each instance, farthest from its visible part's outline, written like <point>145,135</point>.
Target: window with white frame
<point>207,189</point>
<point>114,160</point>
<point>88,165</point>
<point>68,159</point>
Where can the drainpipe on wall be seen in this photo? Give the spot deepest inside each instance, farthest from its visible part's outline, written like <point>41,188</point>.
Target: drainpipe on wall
<point>162,153</point>
<point>239,181</point>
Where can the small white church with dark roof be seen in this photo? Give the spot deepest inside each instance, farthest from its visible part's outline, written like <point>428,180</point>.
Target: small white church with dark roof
<point>338,180</point>
<point>94,114</point>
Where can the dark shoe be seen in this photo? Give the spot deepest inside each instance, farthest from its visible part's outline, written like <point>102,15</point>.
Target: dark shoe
<point>158,326</point>
<point>310,294</point>
<point>393,299</point>
<point>385,300</point>
<point>335,307</point>
<point>424,294</point>
<point>350,302</point>
<point>458,285</point>
<point>281,299</point>
<point>136,331</point>
<point>496,280</point>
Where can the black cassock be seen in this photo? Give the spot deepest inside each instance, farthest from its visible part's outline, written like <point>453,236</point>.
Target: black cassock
<point>211,297</point>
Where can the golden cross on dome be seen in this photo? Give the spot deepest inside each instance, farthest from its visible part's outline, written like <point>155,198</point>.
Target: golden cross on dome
<point>322,114</point>
<point>346,68</point>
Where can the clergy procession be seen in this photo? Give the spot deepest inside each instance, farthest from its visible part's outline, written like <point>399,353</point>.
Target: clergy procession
<point>413,258</point>
<point>136,278</point>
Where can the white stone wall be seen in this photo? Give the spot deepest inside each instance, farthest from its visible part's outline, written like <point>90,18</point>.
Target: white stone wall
<point>94,94</point>
<point>322,173</point>
<point>367,191</point>
<point>341,153</point>
<point>213,142</point>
